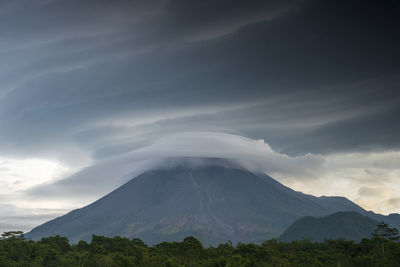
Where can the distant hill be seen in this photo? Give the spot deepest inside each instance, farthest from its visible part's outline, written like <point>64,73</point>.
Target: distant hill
<point>346,225</point>
<point>212,199</point>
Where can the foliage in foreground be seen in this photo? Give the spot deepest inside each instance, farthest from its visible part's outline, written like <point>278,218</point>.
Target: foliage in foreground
<point>118,251</point>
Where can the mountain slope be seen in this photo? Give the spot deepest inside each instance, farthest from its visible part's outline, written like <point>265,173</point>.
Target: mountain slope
<point>214,202</point>
<point>346,225</point>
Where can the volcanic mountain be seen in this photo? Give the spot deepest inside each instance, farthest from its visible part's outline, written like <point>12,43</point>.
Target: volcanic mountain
<point>213,200</point>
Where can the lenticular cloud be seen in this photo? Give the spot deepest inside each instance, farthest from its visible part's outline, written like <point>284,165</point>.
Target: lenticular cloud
<point>255,155</point>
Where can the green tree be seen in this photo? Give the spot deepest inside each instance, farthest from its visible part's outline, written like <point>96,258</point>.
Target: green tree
<point>12,235</point>
<point>58,243</point>
<point>384,232</point>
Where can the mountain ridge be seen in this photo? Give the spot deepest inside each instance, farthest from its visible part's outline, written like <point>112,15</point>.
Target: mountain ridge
<point>347,225</point>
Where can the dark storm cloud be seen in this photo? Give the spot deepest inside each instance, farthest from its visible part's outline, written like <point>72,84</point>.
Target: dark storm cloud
<point>366,133</point>
<point>307,76</point>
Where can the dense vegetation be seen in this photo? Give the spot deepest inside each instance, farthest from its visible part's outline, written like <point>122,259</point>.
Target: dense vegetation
<point>382,250</point>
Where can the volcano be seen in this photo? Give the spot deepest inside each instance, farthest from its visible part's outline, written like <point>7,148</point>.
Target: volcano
<point>214,200</point>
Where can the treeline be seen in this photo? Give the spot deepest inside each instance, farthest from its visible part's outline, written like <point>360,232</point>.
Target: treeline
<point>119,251</point>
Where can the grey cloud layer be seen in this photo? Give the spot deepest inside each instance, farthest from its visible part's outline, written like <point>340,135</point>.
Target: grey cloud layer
<point>322,77</point>
<point>12,218</point>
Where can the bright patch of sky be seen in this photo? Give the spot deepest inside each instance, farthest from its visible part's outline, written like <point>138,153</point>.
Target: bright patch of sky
<point>21,174</point>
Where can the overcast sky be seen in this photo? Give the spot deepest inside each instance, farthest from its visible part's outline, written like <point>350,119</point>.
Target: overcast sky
<point>93,92</point>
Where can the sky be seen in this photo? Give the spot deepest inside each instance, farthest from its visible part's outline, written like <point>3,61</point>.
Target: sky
<point>95,92</point>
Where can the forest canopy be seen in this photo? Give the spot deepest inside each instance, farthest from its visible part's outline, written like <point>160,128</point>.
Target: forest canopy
<point>15,250</point>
